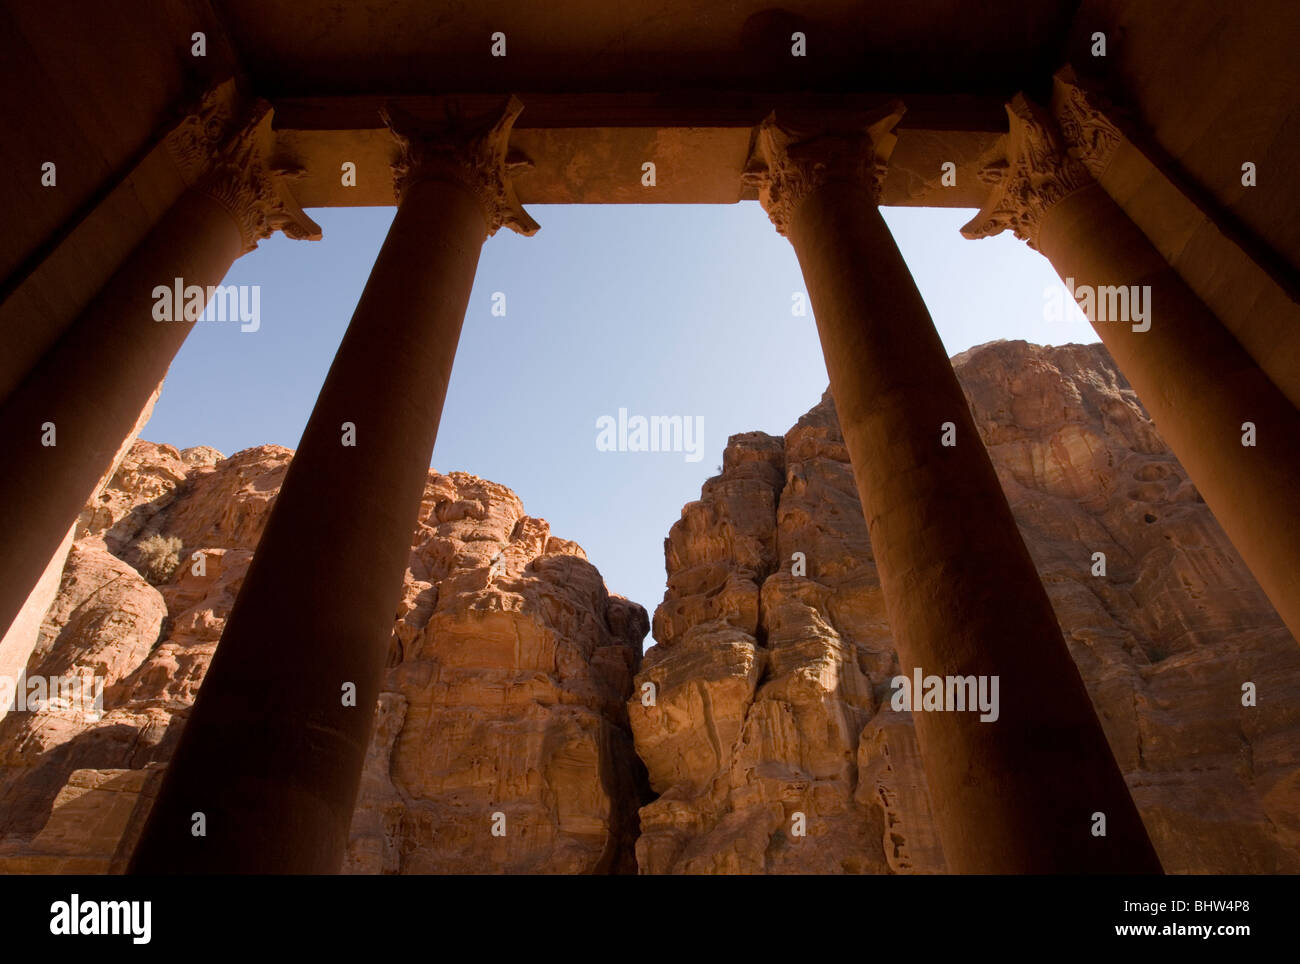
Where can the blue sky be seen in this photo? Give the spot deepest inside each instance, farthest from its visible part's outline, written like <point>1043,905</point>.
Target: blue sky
<point>658,309</point>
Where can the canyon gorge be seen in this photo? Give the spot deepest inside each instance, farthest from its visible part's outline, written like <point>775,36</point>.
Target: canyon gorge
<point>522,730</point>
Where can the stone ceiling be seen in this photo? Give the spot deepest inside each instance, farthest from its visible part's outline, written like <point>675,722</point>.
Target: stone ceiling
<point>318,47</point>
<point>609,85</point>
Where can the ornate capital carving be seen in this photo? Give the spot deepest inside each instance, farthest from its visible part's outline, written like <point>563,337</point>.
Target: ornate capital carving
<point>242,179</point>
<point>1035,173</point>
<point>1081,115</point>
<point>201,130</point>
<point>790,160</point>
<point>223,150</point>
<point>472,152</point>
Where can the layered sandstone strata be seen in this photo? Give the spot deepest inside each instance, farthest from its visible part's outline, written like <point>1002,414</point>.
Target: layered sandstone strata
<point>767,729</point>
<point>510,667</point>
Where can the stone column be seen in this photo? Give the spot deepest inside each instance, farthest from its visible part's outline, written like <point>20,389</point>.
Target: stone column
<point>61,428</point>
<point>272,753</point>
<point>1012,795</point>
<point>1197,382</point>
<point>18,643</point>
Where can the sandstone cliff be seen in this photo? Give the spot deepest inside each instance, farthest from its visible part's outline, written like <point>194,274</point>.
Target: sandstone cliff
<point>768,705</point>
<point>762,712</point>
<point>505,693</point>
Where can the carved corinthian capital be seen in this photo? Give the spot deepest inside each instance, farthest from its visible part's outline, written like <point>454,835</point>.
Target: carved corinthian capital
<point>1035,173</point>
<point>473,152</point>
<point>1081,115</point>
<point>242,179</point>
<point>790,159</point>
<point>201,130</point>
<point>223,148</point>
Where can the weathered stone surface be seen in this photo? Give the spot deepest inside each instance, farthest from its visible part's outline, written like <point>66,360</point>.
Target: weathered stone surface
<point>510,667</point>
<point>95,820</point>
<point>143,483</point>
<point>1167,638</point>
<point>150,646</point>
<point>772,689</point>
<point>764,680</point>
<point>510,688</point>
<point>103,623</point>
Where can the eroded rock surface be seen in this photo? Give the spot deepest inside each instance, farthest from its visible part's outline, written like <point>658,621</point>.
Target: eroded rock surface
<point>504,703</point>
<point>516,698</point>
<point>511,665</point>
<point>1167,638</point>
<point>771,681</point>
<point>768,685</point>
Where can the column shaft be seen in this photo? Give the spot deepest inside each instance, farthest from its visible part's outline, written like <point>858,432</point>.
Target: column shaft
<point>1199,385</point>
<point>92,386</point>
<point>272,753</point>
<point>1015,795</point>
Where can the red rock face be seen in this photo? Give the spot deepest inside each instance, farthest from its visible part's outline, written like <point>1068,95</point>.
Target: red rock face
<point>504,703</point>
<point>515,685</point>
<point>771,708</point>
<point>152,645</point>
<point>510,668</point>
<point>767,740</point>
<point>1169,636</point>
